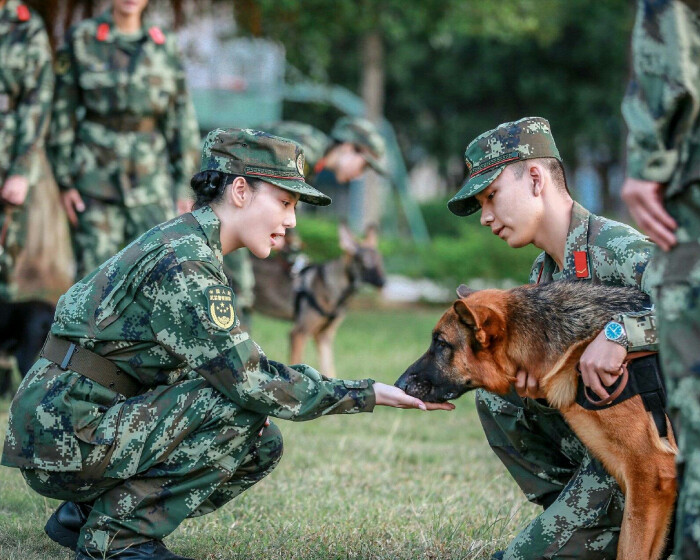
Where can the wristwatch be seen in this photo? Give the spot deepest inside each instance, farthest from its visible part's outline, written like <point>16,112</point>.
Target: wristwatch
<point>615,332</point>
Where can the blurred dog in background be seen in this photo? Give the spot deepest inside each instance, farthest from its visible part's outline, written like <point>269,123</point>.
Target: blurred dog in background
<point>315,298</point>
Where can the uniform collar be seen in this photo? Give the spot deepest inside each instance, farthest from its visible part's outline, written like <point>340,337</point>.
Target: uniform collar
<point>576,244</point>
<point>211,226</point>
<point>9,10</point>
<point>106,17</point>
<point>576,248</point>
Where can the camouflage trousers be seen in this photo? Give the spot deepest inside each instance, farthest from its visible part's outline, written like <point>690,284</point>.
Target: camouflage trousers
<point>104,228</point>
<point>13,231</point>
<point>583,503</point>
<point>180,451</point>
<point>677,299</point>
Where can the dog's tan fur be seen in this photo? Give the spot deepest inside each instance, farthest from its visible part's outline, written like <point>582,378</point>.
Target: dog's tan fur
<point>623,436</point>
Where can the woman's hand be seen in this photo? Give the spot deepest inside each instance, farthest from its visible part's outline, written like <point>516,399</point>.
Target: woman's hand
<point>388,395</point>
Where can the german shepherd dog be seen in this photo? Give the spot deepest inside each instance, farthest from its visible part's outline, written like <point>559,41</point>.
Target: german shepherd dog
<point>486,337</point>
<point>316,297</point>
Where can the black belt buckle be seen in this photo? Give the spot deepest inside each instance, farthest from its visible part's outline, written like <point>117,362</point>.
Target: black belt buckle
<point>72,349</point>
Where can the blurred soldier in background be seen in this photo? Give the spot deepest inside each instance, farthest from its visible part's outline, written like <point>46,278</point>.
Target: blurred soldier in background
<point>124,138</point>
<point>26,89</point>
<point>662,191</point>
<point>353,145</point>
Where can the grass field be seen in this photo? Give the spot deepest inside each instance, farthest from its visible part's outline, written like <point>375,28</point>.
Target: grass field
<point>395,484</point>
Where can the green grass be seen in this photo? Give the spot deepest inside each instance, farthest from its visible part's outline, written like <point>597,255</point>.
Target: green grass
<point>395,484</point>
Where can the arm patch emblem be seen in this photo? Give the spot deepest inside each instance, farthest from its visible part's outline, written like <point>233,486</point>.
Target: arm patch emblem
<point>220,306</point>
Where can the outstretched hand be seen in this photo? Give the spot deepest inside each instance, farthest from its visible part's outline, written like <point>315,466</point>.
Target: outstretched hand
<point>388,395</point>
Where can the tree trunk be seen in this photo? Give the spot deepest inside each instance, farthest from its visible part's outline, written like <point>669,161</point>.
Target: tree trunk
<point>372,88</point>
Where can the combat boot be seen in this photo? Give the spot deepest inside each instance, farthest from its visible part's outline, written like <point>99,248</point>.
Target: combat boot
<point>151,550</point>
<point>65,523</point>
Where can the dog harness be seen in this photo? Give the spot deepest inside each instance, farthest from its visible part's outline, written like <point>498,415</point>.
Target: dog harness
<point>303,293</point>
<point>641,375</point>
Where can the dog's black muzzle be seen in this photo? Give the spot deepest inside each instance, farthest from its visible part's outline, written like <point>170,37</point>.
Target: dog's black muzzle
<point>425,381</point>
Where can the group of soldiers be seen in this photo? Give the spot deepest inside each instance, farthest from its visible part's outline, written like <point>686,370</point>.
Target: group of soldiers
<point>123,142</point>
<point>112,111</point>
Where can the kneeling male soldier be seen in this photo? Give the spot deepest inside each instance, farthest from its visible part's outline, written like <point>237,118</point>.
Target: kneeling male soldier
<point>517,179</point>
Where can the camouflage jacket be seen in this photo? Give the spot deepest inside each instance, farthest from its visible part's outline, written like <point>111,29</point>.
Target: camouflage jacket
<point>162,311</point>
<point>312,141</point>
<point>605,252</point>
<point>108,87</point>
<point>662,104</point>
<point>26,88</point>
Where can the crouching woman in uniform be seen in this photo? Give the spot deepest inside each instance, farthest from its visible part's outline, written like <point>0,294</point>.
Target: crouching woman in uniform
<point>148,404</point>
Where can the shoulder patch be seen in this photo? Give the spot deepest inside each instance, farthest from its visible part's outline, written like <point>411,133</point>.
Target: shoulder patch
<point>23,13</point>
<point>220,306</point>
<point>102,32</point>
<point>156,35</point>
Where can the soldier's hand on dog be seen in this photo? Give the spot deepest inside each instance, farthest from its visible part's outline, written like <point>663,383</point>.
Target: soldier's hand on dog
<point>388,395</point>
<point>527,385</point>
<point>601,364</point>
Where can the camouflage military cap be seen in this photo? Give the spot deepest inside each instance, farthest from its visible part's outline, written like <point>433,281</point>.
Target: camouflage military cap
<point>364,134</point>
<point>489,154</point>
<point>259,155</point>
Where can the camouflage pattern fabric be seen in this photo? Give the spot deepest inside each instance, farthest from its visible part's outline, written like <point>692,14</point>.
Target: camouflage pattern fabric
<point>583,503</point>
<point>123,129</point>
<point>239,270</point>
<point>663,145</point>
<point>259,155</point>
<point>676,285</point>
<point>312,141</point>
<point>662,99</point>
<point>162,311</point>
<point>104,228</point>
<point>26,89</point>
<point>491,152</point>
<point>364,134</point>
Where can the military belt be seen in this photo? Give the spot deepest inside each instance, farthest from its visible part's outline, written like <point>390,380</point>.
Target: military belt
<point>123,122</point>
<point>68,355</point>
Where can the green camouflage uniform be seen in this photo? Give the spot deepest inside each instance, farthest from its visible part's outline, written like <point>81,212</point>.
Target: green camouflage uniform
<point>583,503</point>
<point>189,444</point>
<point>661,110</point>
<point>161,310</point>
<point>26,88</point>
<point>124,133</point>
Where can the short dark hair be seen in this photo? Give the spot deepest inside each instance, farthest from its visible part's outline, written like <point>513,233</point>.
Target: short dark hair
<point>209,186</point>
<point>553,165</point>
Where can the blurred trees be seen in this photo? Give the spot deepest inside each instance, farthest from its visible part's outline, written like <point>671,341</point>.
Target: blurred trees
<point>454,68</point>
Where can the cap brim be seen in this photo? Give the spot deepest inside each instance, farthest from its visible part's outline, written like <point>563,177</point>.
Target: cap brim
<point>307,193</point>
<point>464,203</point>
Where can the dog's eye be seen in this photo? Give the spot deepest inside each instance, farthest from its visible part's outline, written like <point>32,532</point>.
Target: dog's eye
<point>440,343</point>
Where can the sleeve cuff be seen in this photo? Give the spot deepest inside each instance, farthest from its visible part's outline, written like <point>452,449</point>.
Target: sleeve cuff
<point>652,166</point>
<point>641,331</point>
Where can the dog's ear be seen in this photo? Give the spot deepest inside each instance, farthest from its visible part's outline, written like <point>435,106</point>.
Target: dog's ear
<point>347,240</point>
<point>486,322</point>
<point>371,236</point>
<point>463,291</point>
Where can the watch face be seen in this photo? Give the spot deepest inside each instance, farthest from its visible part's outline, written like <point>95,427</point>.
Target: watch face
<point>614,330</point>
